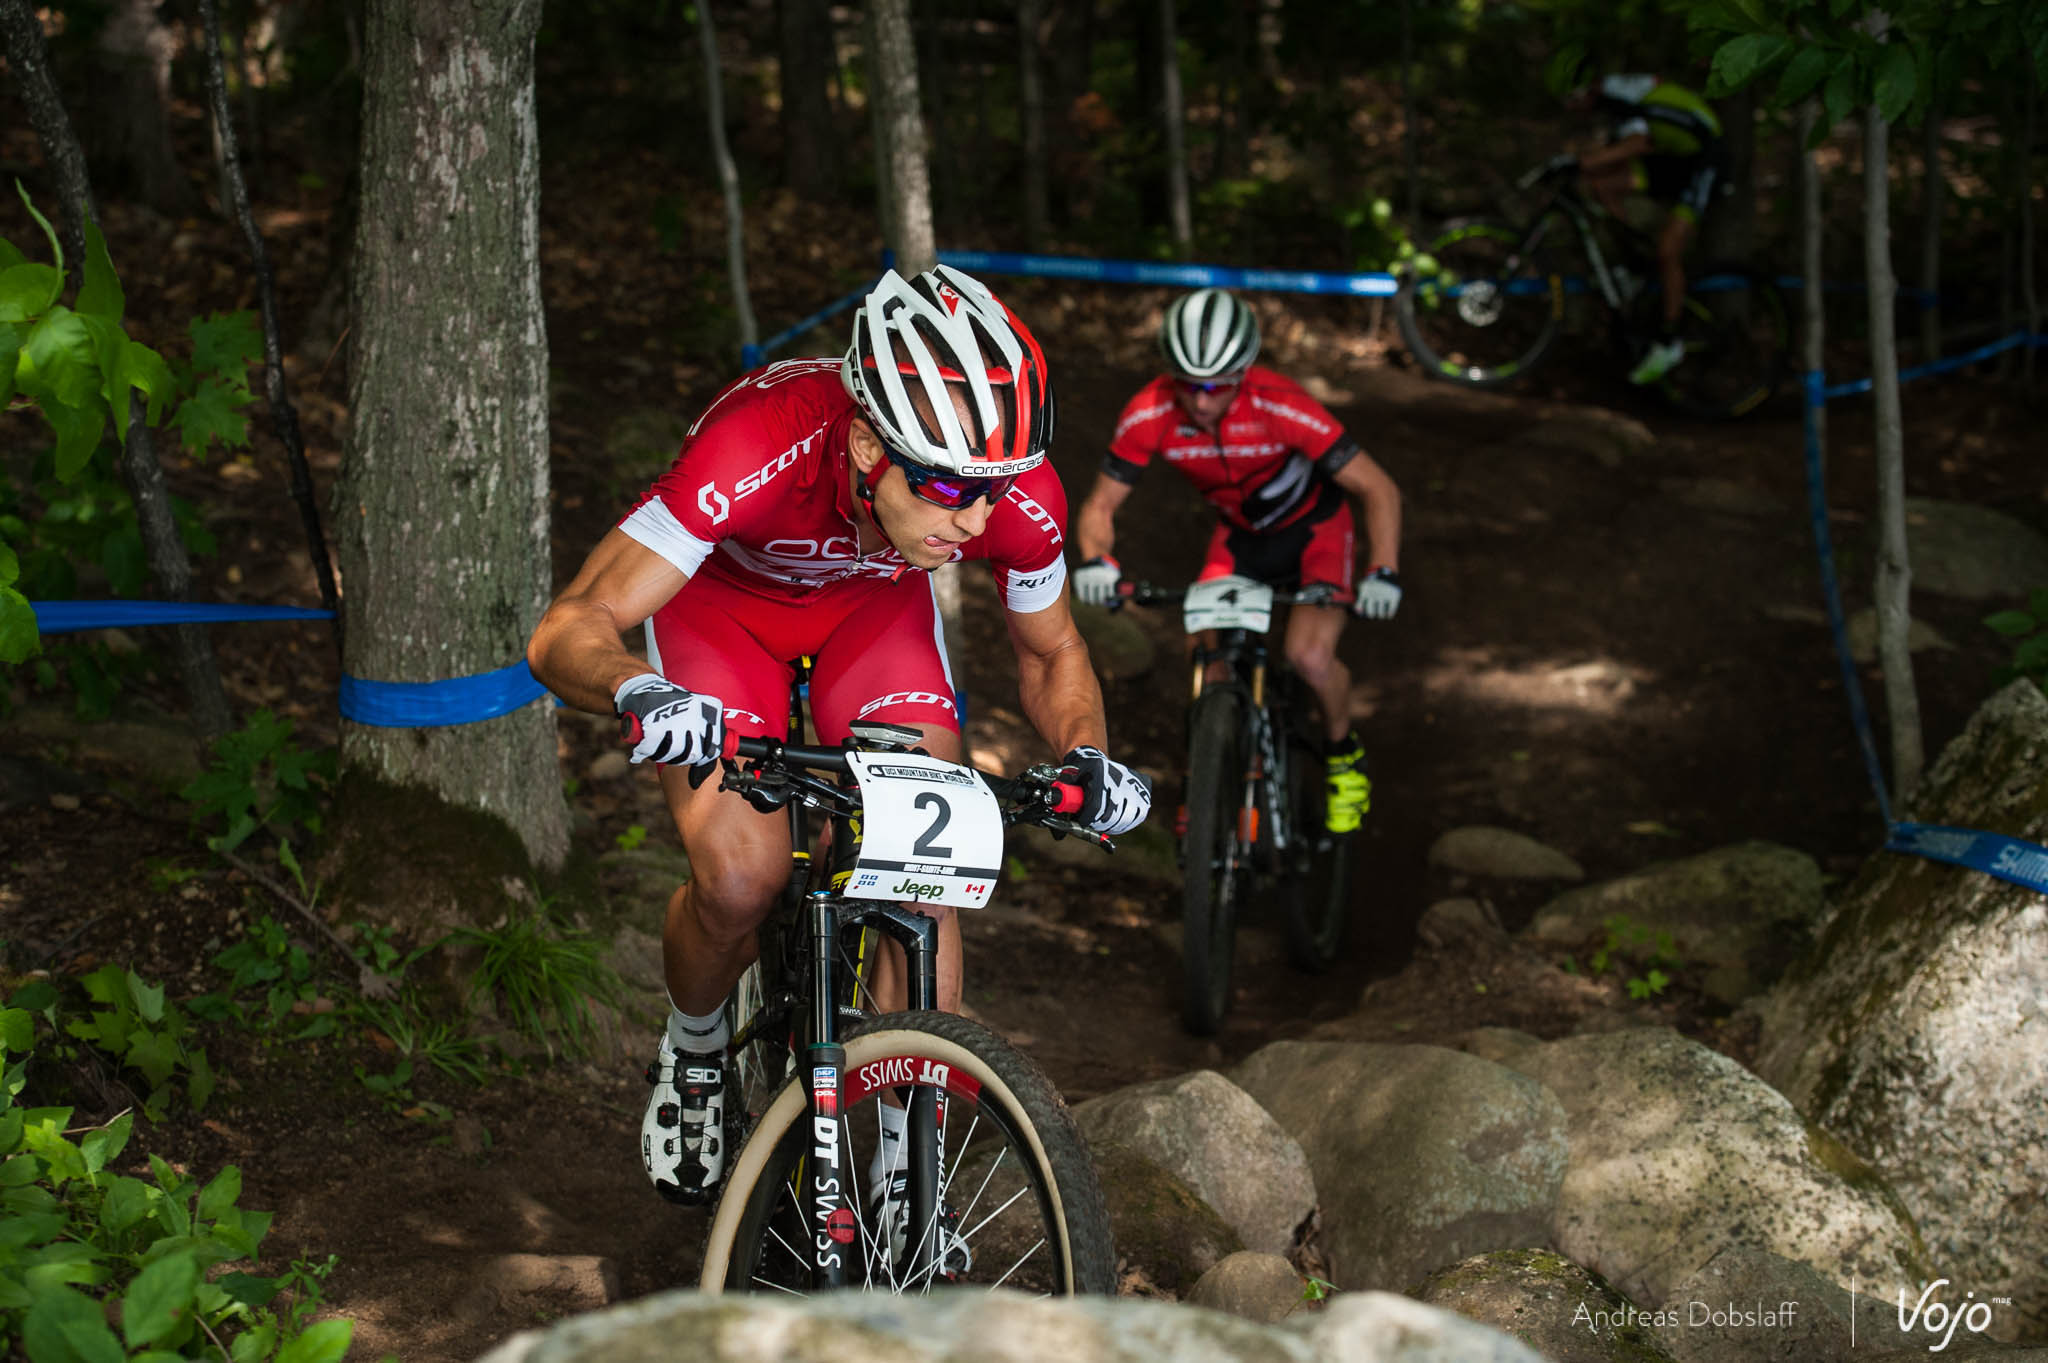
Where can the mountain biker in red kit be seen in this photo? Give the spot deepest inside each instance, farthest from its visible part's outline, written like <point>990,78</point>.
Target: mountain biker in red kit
<point>803,517</point>
<point>1277,467</point>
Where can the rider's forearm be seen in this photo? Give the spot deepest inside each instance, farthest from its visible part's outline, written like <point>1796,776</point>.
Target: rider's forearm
<point>1061,697</point>
<point>1094,530</point>
<point>1379,506</point>
<point>577,653</point>
<point>1615,153</point>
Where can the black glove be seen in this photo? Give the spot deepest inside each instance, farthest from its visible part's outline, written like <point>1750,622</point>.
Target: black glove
<point>667,724</point>
<point>1114,799</point>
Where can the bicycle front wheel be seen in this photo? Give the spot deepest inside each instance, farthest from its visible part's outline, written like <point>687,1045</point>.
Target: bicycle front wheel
<point>1738,344</point>
<point>1481,304</point>
<point>1212,870</point>
<point>1018,1204</point>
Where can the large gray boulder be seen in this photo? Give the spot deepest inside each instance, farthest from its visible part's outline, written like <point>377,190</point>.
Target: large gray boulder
<point>955,1324</point>
<point>1677,1153</point>
<point>1221,1143</point>
<point>1972,551</point>
<point>1422,1156</point>
<point>1549,1303</point>
<point>1917,1028</point>
<point>1739,914</point>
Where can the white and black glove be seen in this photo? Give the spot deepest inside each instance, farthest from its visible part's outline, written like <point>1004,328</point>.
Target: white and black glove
<point>1378,595</point>
<point>1095,581</point>
<point>1114,799</point>
<point>665,723</point>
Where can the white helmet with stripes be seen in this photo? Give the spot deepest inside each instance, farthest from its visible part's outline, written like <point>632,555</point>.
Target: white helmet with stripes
<point>1209,334</point>
<point>942,329</point>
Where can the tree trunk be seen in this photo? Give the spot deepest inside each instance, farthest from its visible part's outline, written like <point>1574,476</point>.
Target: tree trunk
<point>1894,584</point>
<point>809,141</point>
<point>131,104</point>
<point>902,170</point>
<point>2027,290</point>
<point>1069,39</point>
<point>172,572</point>
<point>1932,184</point>
<point>1174,115</point>
<point>944,139</point>
<point>1030,81</point>
<point>443,504</point>
<point>140,469</point>
<point>22,32</point>
<point>728,179</point>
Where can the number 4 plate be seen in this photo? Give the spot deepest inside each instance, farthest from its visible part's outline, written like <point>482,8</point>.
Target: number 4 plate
<point>930,831</point>
<point>1228,603</point>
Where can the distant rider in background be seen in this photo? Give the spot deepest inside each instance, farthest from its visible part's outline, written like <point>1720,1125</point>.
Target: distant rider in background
<point>1664,142</point>
<point>1277,467</point>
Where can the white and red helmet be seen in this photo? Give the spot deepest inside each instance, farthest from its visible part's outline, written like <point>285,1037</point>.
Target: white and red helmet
<point>944,329</point>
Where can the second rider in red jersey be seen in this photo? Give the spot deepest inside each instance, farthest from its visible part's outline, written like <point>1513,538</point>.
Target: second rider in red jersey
<point>1277,467</point>
<point>803,516</point>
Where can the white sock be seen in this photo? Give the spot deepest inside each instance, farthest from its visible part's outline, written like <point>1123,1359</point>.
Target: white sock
<point>891,1151</point>
<point>698,1035</point>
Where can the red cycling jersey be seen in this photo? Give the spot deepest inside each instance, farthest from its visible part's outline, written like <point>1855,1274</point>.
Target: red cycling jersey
<point>763,479</point>
<point>1257,468</point>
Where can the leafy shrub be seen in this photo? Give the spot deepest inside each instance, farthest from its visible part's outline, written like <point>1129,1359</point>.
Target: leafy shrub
<point>2028,630</point>
<point>542,975</point>
<point>259,778</point>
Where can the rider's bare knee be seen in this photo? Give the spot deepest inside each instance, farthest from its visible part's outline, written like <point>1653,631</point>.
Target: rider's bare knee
<point>731,896</point>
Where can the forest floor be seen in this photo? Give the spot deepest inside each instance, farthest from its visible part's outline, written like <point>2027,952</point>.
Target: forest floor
<point>1619,653</point>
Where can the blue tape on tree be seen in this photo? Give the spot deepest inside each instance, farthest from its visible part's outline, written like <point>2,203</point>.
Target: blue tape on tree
<point>428,705</point>
<point>1995,854</point>
<point>69,617</point>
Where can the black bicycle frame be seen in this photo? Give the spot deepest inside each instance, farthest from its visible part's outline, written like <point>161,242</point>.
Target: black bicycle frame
<point>1245,654</point>
<point>828,1202</point>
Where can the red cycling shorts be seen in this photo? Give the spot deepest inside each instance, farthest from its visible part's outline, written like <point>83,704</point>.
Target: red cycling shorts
<point>876,647</point>
<point>1320,547</point>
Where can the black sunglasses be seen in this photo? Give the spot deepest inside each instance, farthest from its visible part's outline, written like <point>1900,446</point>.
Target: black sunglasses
<point>950,490</point>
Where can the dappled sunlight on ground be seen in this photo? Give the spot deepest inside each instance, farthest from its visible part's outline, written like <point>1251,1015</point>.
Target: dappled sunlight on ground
<point>1599,686</point>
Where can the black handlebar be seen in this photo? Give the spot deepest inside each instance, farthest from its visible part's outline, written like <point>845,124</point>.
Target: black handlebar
<point>1157,594</point>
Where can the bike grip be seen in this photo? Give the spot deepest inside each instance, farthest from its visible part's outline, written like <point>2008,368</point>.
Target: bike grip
<point>1065,798</point>
<point>629,729</point>
<point>729,744</point>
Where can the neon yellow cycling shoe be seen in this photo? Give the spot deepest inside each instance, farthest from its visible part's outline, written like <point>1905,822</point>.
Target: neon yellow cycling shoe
<point>1350,790</point>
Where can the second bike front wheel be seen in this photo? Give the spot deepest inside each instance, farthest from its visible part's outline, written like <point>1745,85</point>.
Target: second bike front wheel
<point>1480,305</point>
<point>1018,1202</point>
<point>1212,872</point>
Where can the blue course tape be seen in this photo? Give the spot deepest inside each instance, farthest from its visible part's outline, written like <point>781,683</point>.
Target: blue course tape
<point>2022,863</point>
<point>1375,284</point>
<point>428,705</point>
<point>752,356</point>
<point>1941,366</point>
<point>68,617</point>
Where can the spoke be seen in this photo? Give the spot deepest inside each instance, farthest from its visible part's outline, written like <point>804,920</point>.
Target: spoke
<point>779,1287</point>
<point>945,1178</point>
<point>1019,1264</point>
<point>975,1201</point>
<point>996,1213</point>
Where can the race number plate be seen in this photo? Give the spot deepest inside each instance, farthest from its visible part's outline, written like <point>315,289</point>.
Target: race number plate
<point>930,831</point>
<point>1228,603</point>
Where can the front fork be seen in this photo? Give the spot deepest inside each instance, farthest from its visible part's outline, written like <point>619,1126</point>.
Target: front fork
<point>828,1193</point>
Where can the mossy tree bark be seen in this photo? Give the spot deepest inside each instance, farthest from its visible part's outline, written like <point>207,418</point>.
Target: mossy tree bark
<point>442,513</point>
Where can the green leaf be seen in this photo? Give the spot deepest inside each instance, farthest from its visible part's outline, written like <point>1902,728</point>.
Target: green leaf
<point>154,1053</point>
<point>28,291</point>
<point>56,247</point>
<point>78,435</point>
<point>199,1084</point>
<point>10,256</point>
<point>149,999</point>
<point>2032,656</point>
<point>103,1146</point>
<point>157,1300</point>
<point>220,1194</point>
<point>10,356</point>
<point>253,1346</point>
<point>108,984</point>
<point>2012,623</point>
<point>66,1326</point>
<point>325,1341</point>
<point>1898,77</point>
<point>1807,69</point>
<point>1840,94</point>
<point>10,1130</point>
<point>226,344</point>
<point>141,367</point>
<point>19,1171</point>
<point>17,1025</point>
<point>251,1290</point>
<point>211,414</point>
<point>58,359</point>
<point>1741,59</point>
<point>127,1202</point>
<point>100,294</point>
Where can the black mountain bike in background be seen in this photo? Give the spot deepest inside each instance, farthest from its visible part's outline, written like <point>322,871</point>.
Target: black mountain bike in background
<point>1254,793</point>
<point>999,1187</point>
<point>1483,302</point>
